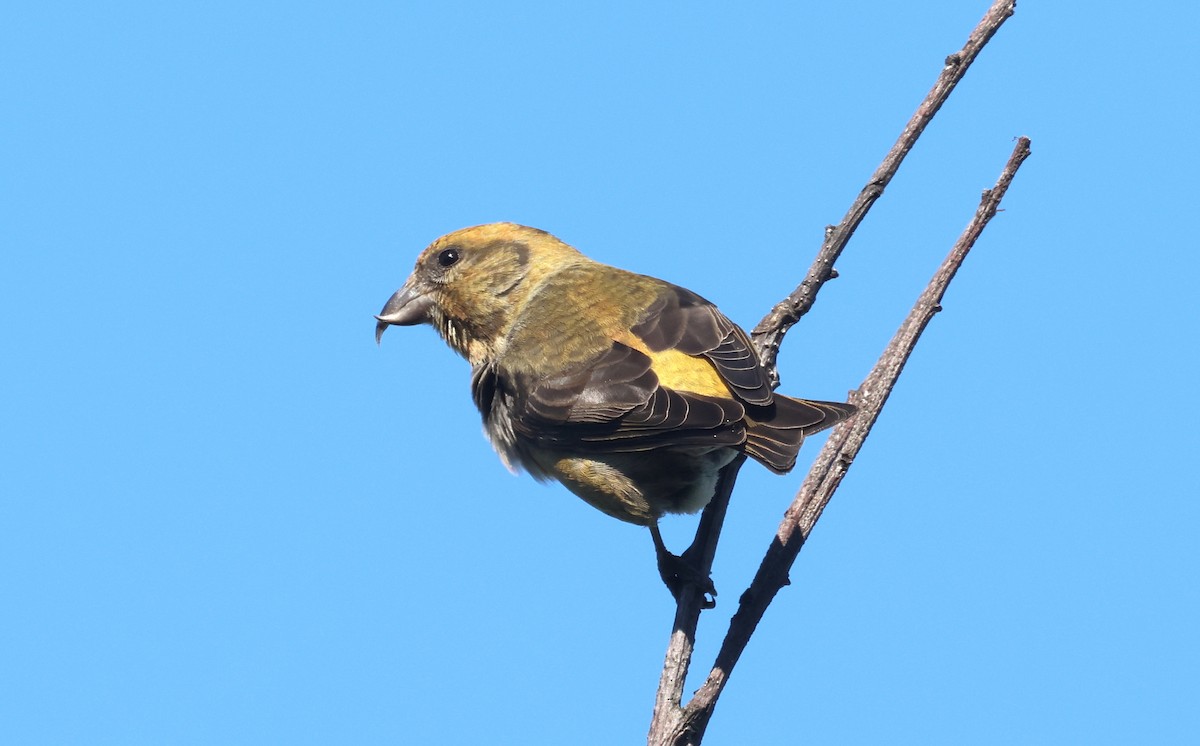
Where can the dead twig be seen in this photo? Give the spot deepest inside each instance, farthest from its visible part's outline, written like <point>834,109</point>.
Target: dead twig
<point>689,721</point>
<point>672,722</point>
<point>839,452</point>
<point>769,333</point>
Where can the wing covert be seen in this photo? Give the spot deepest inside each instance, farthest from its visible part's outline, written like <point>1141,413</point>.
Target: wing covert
<point>681,320</point>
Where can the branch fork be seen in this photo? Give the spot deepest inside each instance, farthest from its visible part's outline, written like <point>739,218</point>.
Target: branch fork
<point>674,722</point>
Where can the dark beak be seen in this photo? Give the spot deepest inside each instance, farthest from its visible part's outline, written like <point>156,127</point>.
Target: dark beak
<point>405,308</point>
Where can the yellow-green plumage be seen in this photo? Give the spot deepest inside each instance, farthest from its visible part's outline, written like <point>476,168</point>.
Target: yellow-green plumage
<point>630,391</point>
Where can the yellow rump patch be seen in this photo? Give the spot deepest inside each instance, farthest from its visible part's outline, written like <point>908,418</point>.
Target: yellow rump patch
<point>681,371</point>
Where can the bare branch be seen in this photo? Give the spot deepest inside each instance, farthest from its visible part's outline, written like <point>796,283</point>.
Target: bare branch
<point>835,458</point>
<point>676,724</point>
<point>769,333</point>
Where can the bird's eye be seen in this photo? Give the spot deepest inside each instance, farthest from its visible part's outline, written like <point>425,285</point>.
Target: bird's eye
<point>448,257</point>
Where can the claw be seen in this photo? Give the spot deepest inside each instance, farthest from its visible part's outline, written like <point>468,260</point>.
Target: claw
<point>680,573</point>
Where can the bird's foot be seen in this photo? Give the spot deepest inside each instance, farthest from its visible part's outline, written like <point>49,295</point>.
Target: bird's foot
<point>679,573</point>
<point>682,572</point>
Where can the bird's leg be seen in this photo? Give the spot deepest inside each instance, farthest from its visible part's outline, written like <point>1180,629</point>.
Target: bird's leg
<point>680,572</point>
<point>693,568</point>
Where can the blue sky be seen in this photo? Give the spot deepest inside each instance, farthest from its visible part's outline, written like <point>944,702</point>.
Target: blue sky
<point>226,516</point>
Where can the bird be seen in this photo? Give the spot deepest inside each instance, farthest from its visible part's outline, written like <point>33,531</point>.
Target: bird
<point>630,391</point>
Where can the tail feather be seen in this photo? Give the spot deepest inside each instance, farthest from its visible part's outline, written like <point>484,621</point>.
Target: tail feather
<point>775,442</point>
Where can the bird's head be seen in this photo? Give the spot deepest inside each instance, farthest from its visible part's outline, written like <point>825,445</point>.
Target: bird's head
<point>470,284</point>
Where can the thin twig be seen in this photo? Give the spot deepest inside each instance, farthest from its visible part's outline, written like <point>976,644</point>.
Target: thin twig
<point>835,458</point>
<point>769,333</point>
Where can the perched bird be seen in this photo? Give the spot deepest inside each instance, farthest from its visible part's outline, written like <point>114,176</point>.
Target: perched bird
<point>632,392</point>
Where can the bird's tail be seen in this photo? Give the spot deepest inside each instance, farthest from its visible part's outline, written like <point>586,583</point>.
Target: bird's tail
<point>775,442</point>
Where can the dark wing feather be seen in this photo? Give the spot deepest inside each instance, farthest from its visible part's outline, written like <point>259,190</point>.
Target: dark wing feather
<point>615,403</point>
<point>775,442</point>
<point>679,319</point>
<point>596,392</point>
<point>775,425</point>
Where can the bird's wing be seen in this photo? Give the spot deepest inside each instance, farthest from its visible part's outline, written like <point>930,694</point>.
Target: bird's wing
<point>619,401</point>
<point>681,320</point>
<point>616,403</point>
